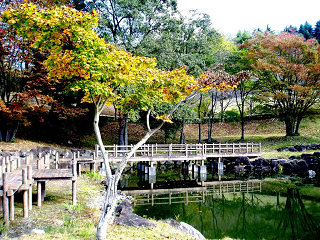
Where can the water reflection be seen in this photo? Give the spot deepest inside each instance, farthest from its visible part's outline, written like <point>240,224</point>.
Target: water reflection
<point>237,215</point>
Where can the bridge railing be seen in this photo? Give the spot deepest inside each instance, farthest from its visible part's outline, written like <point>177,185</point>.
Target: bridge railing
<point>205,149</point>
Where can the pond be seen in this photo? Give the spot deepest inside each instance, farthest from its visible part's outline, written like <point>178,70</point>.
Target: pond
<point>242,215</point>
<point>234,211</point>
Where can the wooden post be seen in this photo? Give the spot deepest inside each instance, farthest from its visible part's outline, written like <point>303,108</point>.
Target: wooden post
<point>79,169</point>
<point>29,168</point>
<point>18,162</point>
<point>259,147</point>
<point>5,199</point>
<point>8,165</point>
<point>247,148</point>
<point>12,166</point>
<point>39,194</point>
<point>151,150</point>
<point>74,184</point>
<point>187,151</point>
<point>170,198</point>
<point>96,149</point>
<point>11,207</point>
<point>187,198</point>
<point>25,193</point>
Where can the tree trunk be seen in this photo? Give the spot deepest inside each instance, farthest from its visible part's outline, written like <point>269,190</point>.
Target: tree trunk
<point>242,120</point>
<point>242,127</point>
<point>125,134</point>
<point>210,123</point>
<point>221,109</point>
<point>7,134</point>
<point>289,127</point>
<point>111,198</point>
<point>199,116</point>
<point>109,206</point>
<point>297,127</point>
<point>182,137</point>
<point>122,126</point>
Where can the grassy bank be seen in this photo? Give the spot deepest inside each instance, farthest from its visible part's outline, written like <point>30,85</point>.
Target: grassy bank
<point>61,220</point>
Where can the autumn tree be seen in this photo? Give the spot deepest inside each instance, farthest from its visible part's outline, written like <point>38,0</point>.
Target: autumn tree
<point>98,69</point>
<point>289,70</point>
<point>26,95</point>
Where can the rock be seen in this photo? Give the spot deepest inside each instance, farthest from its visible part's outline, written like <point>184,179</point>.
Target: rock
<point>131,219</point>
<point>300,148</point>
<point>242,160</point>
<point>124,208</point>
<point>316,154</point>
<point>38,231</point>
<point>185,228</point>
<point>292,149</point>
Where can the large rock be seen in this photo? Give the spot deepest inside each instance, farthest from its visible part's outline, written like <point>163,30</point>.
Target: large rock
<point>185,228</point>
<point>131,219</point>
<point>126,217</point>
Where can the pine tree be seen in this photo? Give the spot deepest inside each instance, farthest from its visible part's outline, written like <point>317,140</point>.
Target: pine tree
<point>316,32</point>
<point>306,30</point>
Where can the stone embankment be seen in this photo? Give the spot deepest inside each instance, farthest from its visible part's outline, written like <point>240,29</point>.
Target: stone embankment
<point>304,165</point>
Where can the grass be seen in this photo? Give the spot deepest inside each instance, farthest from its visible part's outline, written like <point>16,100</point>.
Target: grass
<point>307,191</point>
<point>62,220</point>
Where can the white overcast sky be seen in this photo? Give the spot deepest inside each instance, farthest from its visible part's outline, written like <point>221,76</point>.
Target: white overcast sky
<point>230,16</point>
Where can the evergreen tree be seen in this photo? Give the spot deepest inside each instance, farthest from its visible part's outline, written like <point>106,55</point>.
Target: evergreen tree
<point>291,29</point>
<point>306,30</point>
<point>316,32</point>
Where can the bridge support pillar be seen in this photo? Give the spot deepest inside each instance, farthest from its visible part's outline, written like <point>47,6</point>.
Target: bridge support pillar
<point>152,174</point>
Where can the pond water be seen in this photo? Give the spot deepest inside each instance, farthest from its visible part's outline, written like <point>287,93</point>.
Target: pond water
<point>216,215</point>
<point>243,216</point>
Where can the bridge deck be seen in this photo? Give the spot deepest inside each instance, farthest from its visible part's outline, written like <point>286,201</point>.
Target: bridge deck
<point>181,152</point>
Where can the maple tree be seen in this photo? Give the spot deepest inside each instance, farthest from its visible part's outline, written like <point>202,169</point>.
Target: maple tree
<point>288,67</point>
<point>26,95</point>
<point>77,55</point>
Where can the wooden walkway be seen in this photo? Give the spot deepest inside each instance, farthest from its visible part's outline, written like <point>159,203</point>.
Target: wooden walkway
<point>195,194</point>
<point>181,152</point>
<point>18,174</point>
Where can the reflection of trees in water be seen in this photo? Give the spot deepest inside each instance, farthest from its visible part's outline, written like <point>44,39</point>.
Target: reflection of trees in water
<point>295,221</point>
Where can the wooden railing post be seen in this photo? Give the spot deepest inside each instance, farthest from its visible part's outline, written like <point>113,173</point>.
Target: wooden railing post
<point>25,193</point>
<point>96,150</point>
<point>151,150</point>
<point>29,170</point>
<point>259,147</point>
<point>170,150</point>
<point>5,200</point>
<point>187,150</point>
<point>74,184</point>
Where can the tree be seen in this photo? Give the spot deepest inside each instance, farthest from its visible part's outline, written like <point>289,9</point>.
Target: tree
<point>316,33</point>
<point>127,23</point>
<point>242,93</point>
<point>289,70</point>
<point>26,95</point>
<point>183,41</point>
<point>77,54</point>
<point>242,37</point>
<point>306,30</point>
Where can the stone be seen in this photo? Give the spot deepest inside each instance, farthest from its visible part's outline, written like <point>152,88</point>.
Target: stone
<point>38,231</point>
<point>185,228</point>
<point>124,207</point>
<point>131,219</point>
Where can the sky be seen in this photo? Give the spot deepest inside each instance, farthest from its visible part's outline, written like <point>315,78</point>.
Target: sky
<point>230,16</point>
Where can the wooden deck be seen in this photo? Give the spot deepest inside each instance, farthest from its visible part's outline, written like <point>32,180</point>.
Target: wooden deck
<point>18,174</point>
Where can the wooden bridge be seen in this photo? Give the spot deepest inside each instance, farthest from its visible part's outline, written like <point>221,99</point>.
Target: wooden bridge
<point>181,152</point>
<point>195,194</point>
